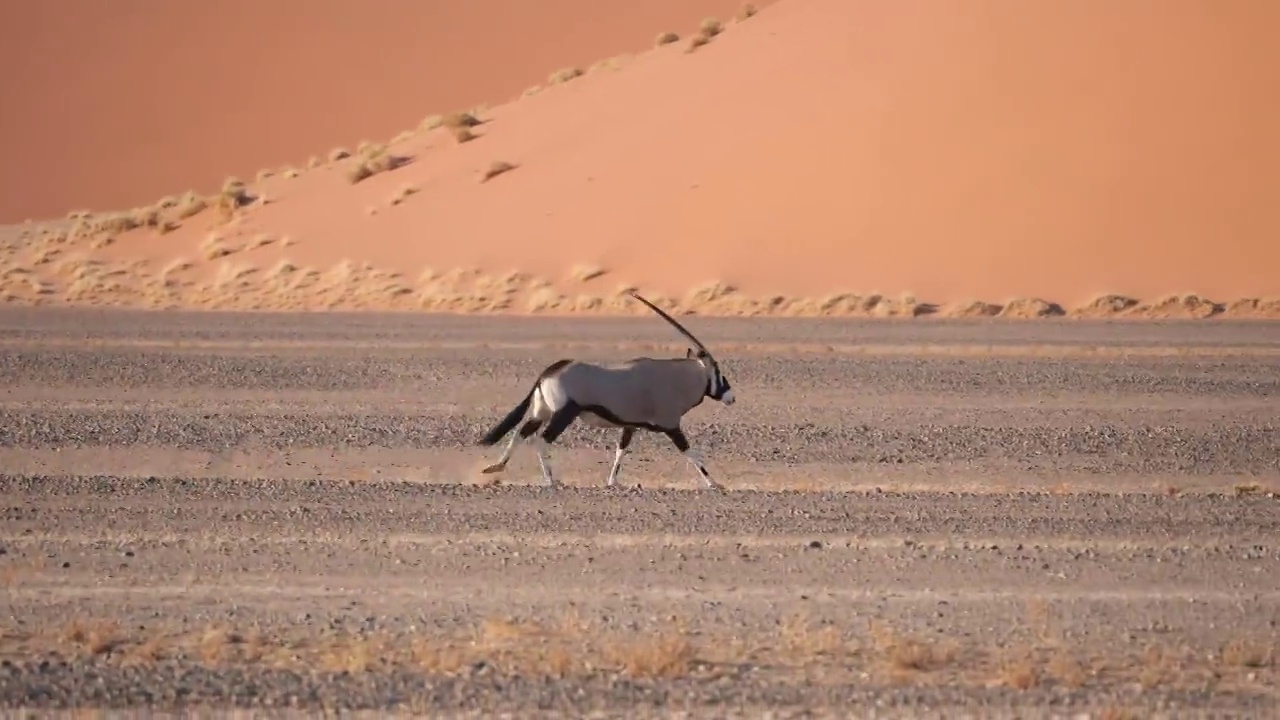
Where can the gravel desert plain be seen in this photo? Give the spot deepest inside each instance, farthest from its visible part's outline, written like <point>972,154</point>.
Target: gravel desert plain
<point>953,519</point>
<point>994,285</point>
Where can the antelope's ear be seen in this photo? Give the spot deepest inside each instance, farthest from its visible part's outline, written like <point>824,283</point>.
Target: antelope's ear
<point>688,352</point>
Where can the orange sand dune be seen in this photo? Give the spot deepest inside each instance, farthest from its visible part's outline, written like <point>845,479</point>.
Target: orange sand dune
<point>989,157</point>
<point>113,104</point>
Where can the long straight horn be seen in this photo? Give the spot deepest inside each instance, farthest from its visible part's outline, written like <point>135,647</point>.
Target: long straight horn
<point>673,322</point>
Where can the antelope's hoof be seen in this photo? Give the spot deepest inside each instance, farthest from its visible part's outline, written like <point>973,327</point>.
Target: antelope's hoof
<point>494,468</point>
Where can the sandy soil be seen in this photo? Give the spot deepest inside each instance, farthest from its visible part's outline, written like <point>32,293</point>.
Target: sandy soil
<point>821,157</point>
<point>1039,519</point>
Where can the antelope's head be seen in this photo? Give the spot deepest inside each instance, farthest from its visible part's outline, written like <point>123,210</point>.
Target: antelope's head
<point>717,384</point>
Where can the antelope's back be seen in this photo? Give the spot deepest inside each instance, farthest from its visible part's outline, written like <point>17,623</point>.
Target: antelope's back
<point>641,390</point>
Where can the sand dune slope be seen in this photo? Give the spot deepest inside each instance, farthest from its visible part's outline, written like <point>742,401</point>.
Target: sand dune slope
<point>995,159</point>
<point>114,104</point>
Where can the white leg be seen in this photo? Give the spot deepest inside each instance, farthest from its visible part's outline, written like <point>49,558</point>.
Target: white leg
<point>501,464</point>
<point>695,458</point>
<point>617,461</point>
<point>623,441</point>
<point>541,446</point>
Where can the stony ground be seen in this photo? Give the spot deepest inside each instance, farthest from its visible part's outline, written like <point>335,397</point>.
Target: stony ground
<point>923,519</point>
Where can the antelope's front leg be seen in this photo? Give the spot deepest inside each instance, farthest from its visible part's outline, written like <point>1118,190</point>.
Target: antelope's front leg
<point>623,441</point>
<point>694,457</point>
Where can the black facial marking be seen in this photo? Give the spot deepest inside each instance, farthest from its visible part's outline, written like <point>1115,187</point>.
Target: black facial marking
<point>717,384</point>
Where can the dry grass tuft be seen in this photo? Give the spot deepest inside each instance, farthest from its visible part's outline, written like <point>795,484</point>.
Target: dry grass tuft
<point>438,658</point>
<point>1029,308</point>
<point>667,655</point>
<point>1159,665</point>
<point>583,273</point>
<point>462,134</point>
<point>564,75</point>
<point>261,240</point>
<point>117,223</point>
<point>234,195</point>
<point>147,216</point>
<point>44,255</point>
<point>214,644</point>
<point>506,630</point>
<point>747,11</point>
<point>908,655</point>
<point>972,309</point>
<point>1067,671</point>
<point>403,193</point>
<point>150,650</point>
<point>213,247</point>
<point>372,165</point>
<point>1018,670</point>
<point>805,642</point>
<point>176,265</point>
<point>339,153</point>
<point>363,171</point>
<point>1253,307</point>
<point>354,655</point>
<point>94,637</point>
<point>1242,652</point>
<point>265,173</point>
<point>190,204</point>
<point>496,168</point>
<point>1107,305</point>
<point>710,292</point>
<point>666,38</point>
<point>1188,305</point>
<point>281,269</point>
<point>38,286</point>
<point>709,28</point>
<point>459,120</point>
<point>616,62</point>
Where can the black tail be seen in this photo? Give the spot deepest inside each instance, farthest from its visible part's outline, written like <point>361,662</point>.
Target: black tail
<point>510,421</point>
<point>513,418</point>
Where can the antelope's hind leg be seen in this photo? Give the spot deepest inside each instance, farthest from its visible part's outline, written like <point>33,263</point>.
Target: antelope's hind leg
<point>623,441</point>
<point>694,457</point>
<point>530,427</point>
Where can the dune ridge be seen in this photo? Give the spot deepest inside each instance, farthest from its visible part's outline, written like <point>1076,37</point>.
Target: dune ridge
<point>234,272</point>
<point>629,174</point>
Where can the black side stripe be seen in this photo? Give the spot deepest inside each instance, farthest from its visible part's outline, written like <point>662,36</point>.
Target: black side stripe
<point>613,418</point>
